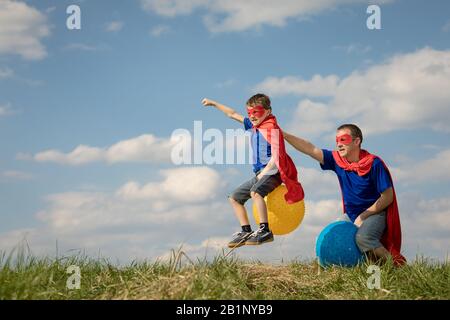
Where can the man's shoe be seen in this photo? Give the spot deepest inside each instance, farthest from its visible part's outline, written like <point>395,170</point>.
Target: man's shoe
<point>239,239</point>
<point>260,236</point>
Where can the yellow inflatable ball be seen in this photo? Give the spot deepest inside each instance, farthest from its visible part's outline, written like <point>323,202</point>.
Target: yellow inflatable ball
<point>283,217</point>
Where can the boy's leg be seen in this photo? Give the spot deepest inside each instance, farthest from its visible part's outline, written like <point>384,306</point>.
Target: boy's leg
<point>262,188</point>
<point>237,200</point>
<point>240,212</point>
<point>260,204</point>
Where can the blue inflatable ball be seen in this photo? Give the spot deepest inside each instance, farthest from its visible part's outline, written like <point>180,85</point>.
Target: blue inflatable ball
<point>336,245</point>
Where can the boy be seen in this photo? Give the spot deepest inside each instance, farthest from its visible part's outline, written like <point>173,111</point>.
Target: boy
<point>271,166</point>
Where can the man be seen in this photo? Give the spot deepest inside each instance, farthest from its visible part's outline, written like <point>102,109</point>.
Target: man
<point>367,190</point>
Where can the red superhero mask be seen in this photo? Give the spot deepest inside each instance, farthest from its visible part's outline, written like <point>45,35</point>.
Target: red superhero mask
<point>256,111</point>
<point>345,139</point>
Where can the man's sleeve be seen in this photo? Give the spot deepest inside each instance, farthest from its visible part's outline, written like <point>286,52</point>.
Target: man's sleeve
<point>247,124</point>
<point>381,176</point>
<point>328,161</point>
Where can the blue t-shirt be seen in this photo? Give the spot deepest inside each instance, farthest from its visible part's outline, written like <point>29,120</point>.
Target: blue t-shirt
<point>262,151</point>
<point>359,192</point>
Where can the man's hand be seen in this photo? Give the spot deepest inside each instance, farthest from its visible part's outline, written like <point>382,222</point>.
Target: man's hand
<point>209,103</point>
<point>360,219</point>
<point>386,198</point>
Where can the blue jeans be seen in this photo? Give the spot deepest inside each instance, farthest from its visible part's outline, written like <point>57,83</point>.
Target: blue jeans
<point>370,232</point>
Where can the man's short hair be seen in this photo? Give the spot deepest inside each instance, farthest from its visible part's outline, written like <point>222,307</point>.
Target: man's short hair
<point>259,99</point>
<point>354,129</point>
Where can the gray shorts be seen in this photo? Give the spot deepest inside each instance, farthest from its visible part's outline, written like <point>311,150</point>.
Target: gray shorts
<point>370,232</point>
<point>263,187</point>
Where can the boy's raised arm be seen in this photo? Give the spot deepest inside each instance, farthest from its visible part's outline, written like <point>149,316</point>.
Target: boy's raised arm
<point>304,146</point>
<point>229,112</point>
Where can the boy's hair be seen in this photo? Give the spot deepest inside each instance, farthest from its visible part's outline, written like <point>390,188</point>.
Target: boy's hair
<point>259,99</point>
<point>354,129</point>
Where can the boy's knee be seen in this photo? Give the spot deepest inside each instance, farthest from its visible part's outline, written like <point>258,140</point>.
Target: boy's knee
<point>255,195</point>
<point>231,199</point>
<point>234,201</point>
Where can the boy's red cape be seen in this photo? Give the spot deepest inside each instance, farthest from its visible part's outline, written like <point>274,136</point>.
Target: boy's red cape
<point>272,133</point>
<point>392,237</point>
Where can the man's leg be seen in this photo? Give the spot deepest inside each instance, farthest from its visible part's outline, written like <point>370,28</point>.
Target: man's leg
<point>381,253</point>
<point>369,235</point>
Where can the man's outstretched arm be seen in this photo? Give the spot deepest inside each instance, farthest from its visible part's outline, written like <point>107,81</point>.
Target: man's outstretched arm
<point>304,146</point>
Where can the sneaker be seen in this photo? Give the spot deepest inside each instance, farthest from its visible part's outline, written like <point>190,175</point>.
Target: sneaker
<point>239,239</point>
<point>260,236</point>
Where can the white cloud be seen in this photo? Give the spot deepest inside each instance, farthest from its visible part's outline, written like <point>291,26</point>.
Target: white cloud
<point>144,148</point>
<point>315,119</point>
<point>22,29</point>
<point>409,91</point>
<point>446,27</point>
<point>6,73</point>
<point>210,247</point>
<point>159,30</point>
<point>322,212</point>
<point>16,175</point>
<point>237,15</point>
<point>319,183</point>
<point>425,225</point>
<point>50,9</point>
<point>150,225</point>
<point>354,48</point>
<point>225,84</point>
<point>6,110</point>
<point>11,239</point>
<point>84,47</point>
<point>171,8</point>
<point>211,147</point>
<point>425,230</point>
<point>181,207</point>
<point>300,244</point>
<point>80,155</point>
<point>184,195</point>
<point>189,185</point>
<point>435,169</point>
<point>318,86</point>
<point>114,26</point>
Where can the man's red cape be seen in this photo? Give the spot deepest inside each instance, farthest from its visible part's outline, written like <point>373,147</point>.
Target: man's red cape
<point>272,133</point>
<point>392,236</point>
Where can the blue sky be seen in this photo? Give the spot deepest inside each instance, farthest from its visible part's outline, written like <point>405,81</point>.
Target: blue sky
<point>142,67</point>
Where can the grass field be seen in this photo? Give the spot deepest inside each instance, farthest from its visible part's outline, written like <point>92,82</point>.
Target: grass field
<point>23,276</point>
